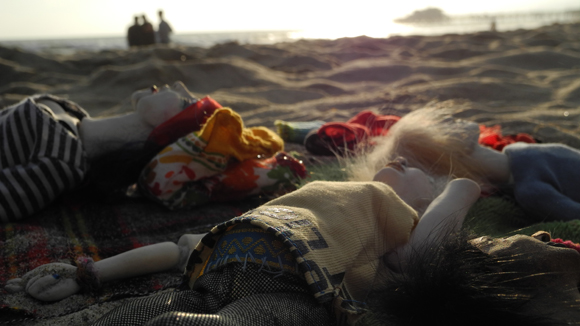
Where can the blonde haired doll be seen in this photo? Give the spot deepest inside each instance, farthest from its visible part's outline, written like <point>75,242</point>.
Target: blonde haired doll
<point>309,257</point>
<point>543,176</point>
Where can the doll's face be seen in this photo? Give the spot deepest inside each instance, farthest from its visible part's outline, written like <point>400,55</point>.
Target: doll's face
<point>551,272</point>
<point>157,105</point>
<point>537,252</point>
<point>547,266</point>
<point>411,184</point>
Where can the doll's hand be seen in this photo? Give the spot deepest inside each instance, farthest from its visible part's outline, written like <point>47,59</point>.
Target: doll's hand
<point>50,282</point>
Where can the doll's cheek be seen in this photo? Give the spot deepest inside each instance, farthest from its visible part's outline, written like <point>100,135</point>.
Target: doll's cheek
<point>387,176</point>
<point>137,96</point>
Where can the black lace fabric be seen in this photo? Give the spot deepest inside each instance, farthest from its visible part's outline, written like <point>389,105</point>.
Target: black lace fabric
<point>237,294</point>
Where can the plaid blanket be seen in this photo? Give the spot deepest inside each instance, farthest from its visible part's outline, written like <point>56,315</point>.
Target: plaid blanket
<point>75,227</point>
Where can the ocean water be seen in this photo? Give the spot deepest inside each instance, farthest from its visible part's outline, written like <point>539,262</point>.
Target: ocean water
<point>457,25</point>
<point>72,45</point>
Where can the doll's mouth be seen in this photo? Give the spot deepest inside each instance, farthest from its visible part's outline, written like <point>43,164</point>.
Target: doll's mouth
<point>564,244</point>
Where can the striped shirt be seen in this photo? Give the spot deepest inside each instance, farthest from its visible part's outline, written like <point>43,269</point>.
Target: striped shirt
<point>40,157</point>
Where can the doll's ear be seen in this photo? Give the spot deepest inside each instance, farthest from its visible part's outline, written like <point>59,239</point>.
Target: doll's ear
<point>469,132</point>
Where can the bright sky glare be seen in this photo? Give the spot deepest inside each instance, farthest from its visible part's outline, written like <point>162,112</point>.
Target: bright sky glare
<point>36,19</point>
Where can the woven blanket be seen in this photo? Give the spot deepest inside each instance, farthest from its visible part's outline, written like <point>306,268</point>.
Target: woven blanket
<point>500,216</point>
<point>75,227</point>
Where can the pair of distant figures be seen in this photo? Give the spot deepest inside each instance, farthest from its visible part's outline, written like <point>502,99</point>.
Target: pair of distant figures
<point>144,34</point>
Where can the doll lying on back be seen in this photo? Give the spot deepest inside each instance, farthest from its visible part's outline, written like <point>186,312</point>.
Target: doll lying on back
<point>543,176</point>
<point>50,145</point>
<point>309,257</point>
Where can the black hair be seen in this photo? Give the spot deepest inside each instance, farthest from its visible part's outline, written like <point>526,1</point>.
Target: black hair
<point>452,283</point>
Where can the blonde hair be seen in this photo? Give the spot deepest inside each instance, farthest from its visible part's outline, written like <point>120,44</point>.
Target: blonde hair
<point>431,140</point>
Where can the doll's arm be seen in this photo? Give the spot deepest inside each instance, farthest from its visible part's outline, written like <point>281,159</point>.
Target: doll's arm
<point>443,216</point>
<point>446,213</point>
<point>52,282</point>
<point>544,201</point>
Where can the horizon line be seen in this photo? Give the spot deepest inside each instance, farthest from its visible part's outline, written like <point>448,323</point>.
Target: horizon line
<point>96,36</point>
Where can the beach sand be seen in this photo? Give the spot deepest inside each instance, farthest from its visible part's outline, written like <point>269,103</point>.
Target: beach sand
<point>524,80</point>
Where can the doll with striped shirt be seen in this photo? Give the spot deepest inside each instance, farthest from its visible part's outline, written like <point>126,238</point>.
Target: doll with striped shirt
<point>50,145</point>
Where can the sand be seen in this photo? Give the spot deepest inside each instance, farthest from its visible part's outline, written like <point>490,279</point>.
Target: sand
<point>524,80</point>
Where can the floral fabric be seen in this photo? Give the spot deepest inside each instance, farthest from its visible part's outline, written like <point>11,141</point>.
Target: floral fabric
<point>223,161</point>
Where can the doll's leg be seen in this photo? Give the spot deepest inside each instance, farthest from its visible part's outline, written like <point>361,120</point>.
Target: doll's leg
<point>139,311</point>
<point>240,294</point>
<point>282,309</point>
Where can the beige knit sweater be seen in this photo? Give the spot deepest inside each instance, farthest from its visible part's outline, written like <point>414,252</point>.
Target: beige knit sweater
<point>337,232</point>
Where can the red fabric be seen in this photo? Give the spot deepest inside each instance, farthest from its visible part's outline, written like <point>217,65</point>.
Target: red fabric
<point>189,120</point>
<point>378,125</point>
<point>297,167</point>
<point>567,243</point>
<point>357,130</point>
<point>492,137</point>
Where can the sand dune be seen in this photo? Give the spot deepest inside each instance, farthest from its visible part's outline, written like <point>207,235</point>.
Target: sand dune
<point>526,80</point>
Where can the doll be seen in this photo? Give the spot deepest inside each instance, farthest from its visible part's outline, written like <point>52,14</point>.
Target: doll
<point>480,281</point>
<point>308,257</point>
<point>51,145</point>
<point>541,175</point>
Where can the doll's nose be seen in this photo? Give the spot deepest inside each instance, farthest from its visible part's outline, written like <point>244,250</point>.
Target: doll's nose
<point>402,160</point>
<point>178,85</point>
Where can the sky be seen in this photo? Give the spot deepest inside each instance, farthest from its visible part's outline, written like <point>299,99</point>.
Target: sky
<point>41,19</point>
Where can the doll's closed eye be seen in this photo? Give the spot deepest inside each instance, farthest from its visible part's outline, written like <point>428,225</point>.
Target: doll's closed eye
<point>399,164</point>
<point>185,102</point>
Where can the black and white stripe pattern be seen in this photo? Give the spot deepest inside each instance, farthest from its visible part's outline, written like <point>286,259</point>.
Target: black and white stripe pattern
<point>40,159</point>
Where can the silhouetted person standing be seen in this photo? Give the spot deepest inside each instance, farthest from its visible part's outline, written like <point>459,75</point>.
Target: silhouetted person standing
<point>148,32</point>
<point>134,34</point>
<point>493,26</point>
<point>164,29</point>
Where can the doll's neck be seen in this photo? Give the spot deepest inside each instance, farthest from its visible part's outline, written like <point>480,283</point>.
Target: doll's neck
<point>102,135</point>
<point>494,164</point>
